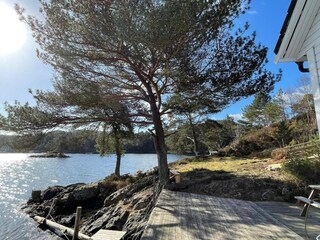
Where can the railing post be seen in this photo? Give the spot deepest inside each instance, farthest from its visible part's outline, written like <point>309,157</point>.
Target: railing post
<point>77,224</point>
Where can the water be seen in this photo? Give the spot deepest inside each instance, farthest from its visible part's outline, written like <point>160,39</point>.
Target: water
<point>20,174</point>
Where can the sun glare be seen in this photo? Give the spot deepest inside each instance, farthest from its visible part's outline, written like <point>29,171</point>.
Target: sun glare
<point>12,31</point>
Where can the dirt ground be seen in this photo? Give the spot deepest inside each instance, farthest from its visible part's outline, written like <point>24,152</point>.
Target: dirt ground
<point>242,178</point>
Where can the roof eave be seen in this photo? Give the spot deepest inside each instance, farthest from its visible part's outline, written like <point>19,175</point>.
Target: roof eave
<point>289,32</point>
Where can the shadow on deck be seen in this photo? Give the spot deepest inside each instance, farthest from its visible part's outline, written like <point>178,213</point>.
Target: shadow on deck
<point>186,216</point>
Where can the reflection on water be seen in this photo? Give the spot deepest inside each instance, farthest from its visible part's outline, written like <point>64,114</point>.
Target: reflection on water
<point>19,174</point>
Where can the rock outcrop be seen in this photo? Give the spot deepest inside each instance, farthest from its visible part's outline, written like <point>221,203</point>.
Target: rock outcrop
<point>103,205</point>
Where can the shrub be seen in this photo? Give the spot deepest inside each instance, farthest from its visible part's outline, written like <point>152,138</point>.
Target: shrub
<point>253,142</point>
<point>279,153</point>
<point>262,154</point>
<point>306,164</point>
<point>307,169</point>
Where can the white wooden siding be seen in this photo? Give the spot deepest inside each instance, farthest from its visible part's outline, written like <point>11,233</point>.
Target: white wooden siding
<point>282,55</point>
<point>309,13</point>
<point>313,37</point>
<point>314,66</point>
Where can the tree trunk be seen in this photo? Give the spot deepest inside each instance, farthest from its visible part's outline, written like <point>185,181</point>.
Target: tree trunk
<point>194,136</point>
<point>117,150</point>
<point>118,162</point>
<point>195,142</point>
<point>160,145</point>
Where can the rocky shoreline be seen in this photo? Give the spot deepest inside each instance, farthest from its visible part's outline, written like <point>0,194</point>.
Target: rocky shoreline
<point>114,203</point>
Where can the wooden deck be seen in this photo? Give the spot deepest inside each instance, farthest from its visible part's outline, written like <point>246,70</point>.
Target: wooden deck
<point>289,215</point>
<point>187,216</point>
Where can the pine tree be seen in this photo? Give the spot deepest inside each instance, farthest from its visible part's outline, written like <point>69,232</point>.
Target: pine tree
<point>142,51</point>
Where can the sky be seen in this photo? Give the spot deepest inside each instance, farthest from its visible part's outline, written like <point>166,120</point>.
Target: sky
<point>20,69</point>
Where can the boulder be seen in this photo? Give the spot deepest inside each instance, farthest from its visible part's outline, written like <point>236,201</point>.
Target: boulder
<point>68,220</point>
<point>51,192</point>
<point>85,192</point>
<point>117,219</point>
<point>274,167</point>
<point>36,196</point>
<point>105,189</point>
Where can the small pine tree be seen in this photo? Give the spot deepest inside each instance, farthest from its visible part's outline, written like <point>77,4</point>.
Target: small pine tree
<point>283,134</point>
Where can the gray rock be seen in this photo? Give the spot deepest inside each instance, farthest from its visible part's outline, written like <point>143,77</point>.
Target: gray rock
<point>134,218</point>
<point>141,199</point>
<point>268,195</point>
<point>128,191</point>
<point>85,192</point>
<point>66,199</point>
<point>96,223</point>
<point>135,224</point>
<point>118,219</point>
<point>274,167</point>
<point>105,189</point>
<point>68,220</point>
<point>51,192</point>
<point>36,196</point>
<point>114,218</point>
<point>142,204</point>
<point>116,196</point>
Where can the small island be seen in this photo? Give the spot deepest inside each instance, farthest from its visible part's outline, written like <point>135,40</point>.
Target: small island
<point>50,155</point>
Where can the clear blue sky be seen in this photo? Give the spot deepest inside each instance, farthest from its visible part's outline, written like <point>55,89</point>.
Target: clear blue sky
<point>21,69</point>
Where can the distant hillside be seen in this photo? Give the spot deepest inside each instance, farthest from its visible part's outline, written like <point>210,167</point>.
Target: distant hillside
<point>70,142</point>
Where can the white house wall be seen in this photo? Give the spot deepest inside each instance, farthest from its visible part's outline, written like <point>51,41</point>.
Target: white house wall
<point>311,47</point>
<point>314,66</point>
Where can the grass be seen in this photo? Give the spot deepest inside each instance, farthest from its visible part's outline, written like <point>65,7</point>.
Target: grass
<point>244,178</point>
<point>226,164</point>
<point>238,166</point>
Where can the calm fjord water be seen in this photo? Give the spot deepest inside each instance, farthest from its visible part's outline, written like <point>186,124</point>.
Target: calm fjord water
<point>19,174</point>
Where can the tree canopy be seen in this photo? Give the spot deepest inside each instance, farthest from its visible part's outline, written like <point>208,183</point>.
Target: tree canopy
<point>141,52</point>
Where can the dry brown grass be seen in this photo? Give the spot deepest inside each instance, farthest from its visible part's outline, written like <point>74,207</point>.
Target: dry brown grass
<point>237,166</point>
<point>244,178</point>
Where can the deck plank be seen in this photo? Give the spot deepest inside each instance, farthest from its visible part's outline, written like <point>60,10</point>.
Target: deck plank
<point>108,235</point>
<point>188,216</point>
<point>289,215</point>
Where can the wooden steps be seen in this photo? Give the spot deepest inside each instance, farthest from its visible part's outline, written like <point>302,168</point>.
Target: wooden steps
<point>104,234</point>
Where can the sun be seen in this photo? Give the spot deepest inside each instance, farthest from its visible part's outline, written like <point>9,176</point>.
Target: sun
<point>12,31</point>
